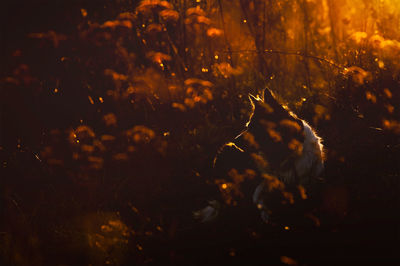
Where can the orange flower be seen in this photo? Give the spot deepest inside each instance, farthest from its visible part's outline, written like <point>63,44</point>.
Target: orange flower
<point>197,11</point>
<point>169,15</point>
<point>204,83</point>
<point>117,23</point>
<point>214,32</point>
<point>147,6</point>
<point>158,57</point>
<point>153,28</point>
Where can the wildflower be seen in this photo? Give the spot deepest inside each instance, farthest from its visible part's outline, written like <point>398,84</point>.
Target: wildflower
<point>158,57</point>
<point>214,32</point>
<point>117,23</point>
<point>169,15</point>
<point>148,6</point>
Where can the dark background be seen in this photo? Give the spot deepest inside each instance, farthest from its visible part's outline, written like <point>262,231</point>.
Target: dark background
<point>130,200</point>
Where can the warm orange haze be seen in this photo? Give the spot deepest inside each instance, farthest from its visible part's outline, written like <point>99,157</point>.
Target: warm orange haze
<point>200,132</point>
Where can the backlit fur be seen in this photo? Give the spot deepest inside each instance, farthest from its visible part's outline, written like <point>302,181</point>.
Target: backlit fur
<point>288,147</point>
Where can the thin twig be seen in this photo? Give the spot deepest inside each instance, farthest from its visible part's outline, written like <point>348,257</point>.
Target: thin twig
<point>333,26</point>
<point>296,53</point>
<point>306,27</point>
<point>264,16</point>
<point>224,32</point>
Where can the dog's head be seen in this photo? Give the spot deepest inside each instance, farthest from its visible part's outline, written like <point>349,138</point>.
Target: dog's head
<point>277,132</point>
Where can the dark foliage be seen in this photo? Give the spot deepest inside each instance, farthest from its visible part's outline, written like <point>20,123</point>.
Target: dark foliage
<point>112,113</point>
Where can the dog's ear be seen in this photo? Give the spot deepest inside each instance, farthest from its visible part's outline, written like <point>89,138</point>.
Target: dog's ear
<point>270,99</point>
<point>268,96</point>
<point>254,100</point>
<point>259,106</point>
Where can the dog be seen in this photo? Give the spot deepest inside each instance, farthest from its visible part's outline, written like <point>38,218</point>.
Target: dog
<point>275,150</point>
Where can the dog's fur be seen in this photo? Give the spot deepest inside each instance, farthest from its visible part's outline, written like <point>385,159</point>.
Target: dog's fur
<point>275,143</point>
